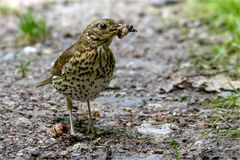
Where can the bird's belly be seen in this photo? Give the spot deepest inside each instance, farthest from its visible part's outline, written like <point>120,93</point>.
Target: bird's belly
<point>81,88</point>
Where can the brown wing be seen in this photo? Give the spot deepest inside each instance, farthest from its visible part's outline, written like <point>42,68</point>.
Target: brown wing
<point>59,64</point>
<point>63,59</point>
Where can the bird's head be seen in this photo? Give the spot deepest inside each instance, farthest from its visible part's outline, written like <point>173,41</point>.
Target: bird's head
<point>102,31</point>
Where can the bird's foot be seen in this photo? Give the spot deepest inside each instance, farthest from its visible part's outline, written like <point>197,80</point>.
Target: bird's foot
<point>91,129</point>
<point>72,132</point>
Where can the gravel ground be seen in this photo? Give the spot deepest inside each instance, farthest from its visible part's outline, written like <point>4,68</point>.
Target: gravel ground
<point>138,116</point>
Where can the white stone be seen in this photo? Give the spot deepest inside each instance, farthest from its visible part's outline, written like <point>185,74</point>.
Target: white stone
<point>28,50</point>
<point>23,122</point>
<point>126,157</point>
<point>158,131</point>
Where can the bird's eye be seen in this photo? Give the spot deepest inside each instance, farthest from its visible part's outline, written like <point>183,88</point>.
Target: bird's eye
<point>103,26</point>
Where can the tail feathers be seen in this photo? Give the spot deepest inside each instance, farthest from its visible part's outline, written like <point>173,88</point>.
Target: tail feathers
<point>46,81</point>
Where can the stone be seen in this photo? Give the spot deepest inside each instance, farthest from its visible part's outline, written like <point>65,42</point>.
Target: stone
<point>126,157</point>
<point>23,122</point>
<point>159,131</point>
<point>29,50</point>
<point>7,56</point>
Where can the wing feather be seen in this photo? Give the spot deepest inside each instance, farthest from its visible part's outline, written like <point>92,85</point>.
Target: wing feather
<point>59,64</point>
<point>63,59</point>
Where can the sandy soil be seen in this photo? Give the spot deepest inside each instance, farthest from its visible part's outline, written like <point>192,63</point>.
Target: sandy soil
<point>137,117</point>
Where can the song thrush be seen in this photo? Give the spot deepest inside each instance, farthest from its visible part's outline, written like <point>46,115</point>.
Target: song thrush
<point>86,68</point>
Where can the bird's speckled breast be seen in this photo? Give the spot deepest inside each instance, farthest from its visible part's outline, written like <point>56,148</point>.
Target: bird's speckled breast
<point>84,78</point>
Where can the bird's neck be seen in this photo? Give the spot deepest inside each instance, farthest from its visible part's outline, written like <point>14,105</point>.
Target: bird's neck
<point>90,44</point>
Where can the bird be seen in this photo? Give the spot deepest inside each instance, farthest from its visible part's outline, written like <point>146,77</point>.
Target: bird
<point>86,68</point>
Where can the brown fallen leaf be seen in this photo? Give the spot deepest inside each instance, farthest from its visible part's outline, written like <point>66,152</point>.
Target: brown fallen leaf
<point>96,114</point>
<point>57,130</point>
<point>215,83</point>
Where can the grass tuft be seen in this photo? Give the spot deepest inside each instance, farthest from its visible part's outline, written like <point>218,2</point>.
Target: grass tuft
<point>174,145</point>
<point>220,15</point>
<point>7,10</point>
<point>225,125</point>
<point>232,133</point>
<point>23,68</point>
<point>222,18</point>
<point>32,27</point>
<point>231,101</point>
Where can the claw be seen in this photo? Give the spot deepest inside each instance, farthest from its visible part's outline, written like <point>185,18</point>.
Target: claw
<point>91,129</point>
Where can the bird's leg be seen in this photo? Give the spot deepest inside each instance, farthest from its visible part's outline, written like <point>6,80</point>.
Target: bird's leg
<point>90,121</point>
<point>70,106</point>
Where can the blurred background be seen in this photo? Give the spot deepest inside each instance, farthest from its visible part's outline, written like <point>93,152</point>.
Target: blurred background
<point>174,95</point>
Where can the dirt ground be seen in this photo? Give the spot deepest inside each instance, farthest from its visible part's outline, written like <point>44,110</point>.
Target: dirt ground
<point>142,112</point>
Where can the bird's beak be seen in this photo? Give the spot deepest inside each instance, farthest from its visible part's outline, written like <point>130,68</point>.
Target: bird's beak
<point>124,29</point>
